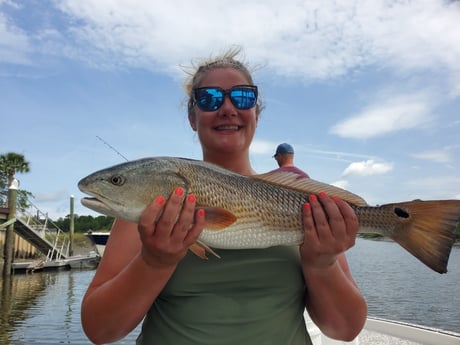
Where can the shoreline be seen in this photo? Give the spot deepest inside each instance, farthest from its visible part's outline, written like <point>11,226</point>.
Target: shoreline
<point>84,246</point>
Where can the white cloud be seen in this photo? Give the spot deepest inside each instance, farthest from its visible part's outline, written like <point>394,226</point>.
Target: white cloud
<point>438,156</point>
<point>341,184</point>
<point>14,44</point>
<point>262,147</point>
<point>455,123</point>
<point>399,114</point>
<point>50,197</point>
<point>367,168</point>
<point>439,187</point>
<point>310,40</point>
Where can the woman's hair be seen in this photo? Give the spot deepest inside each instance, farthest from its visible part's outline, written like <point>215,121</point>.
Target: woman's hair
<point>199,69</point>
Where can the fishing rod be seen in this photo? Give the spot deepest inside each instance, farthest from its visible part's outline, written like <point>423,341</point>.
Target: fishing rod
<point>111,147</point>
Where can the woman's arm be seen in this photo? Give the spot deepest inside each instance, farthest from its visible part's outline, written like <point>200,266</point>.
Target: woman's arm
<point>137,263</point>
<point>333,298</point>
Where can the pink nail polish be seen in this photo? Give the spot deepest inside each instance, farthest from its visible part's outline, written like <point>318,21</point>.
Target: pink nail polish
<point>322,194</point>
<point>306,206</point>
<point>335,198</point>
<point>160,200</point>
<point>313,197</point>
<point>191,198</point>
<point>179,191</point>
<point>201,212</point>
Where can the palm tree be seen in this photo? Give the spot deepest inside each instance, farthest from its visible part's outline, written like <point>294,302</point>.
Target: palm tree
<point>11,163</point>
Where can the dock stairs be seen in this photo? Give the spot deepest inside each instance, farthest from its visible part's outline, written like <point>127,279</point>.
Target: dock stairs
<point>38,240</point>
<point>35,227</point>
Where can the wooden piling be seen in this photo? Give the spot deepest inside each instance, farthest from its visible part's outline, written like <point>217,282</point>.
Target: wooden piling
<point>71,225</point>
<point>9,234</point>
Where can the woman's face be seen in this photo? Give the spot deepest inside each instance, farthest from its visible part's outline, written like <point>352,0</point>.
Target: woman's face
<point>227,129</point>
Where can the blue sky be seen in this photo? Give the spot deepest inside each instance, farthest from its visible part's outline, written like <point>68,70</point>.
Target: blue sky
<point>368,92</point>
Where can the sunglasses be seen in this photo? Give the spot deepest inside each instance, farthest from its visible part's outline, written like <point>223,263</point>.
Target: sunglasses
<point>211,98</point>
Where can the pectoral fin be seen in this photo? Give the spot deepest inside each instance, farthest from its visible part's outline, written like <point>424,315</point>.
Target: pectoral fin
<point>218,218</point>
<point>215,219</point>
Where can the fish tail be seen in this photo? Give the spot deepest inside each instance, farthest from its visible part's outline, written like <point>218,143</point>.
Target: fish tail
<point>427,230</point>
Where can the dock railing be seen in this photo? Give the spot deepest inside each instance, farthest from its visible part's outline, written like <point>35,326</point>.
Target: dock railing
<point>56,242</point>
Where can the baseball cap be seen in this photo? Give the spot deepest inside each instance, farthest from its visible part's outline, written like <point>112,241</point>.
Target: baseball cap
<point>284,148</point>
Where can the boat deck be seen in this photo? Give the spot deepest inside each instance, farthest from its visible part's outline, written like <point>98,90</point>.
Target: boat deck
<point>374,338</point>
<point>388,332</point>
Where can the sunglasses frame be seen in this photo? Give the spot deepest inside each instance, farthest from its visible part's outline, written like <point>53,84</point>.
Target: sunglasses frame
<point>253,88</point>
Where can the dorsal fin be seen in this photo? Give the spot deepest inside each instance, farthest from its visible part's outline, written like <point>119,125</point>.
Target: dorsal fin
<point>296,182</point>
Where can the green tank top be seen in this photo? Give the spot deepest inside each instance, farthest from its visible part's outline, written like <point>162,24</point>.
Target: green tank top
<point>251,296</point>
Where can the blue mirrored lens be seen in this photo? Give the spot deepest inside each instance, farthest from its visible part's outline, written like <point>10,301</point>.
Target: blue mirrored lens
<point>243,98</point>
<point>209,99</point>
<point>212,98</point>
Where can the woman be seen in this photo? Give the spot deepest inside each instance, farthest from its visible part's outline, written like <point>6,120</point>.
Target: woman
<point>247,297</point>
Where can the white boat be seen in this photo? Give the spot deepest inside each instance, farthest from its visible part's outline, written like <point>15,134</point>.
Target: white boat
<point>409,332</point>
<point>388,332</point>
<point>99,240</point>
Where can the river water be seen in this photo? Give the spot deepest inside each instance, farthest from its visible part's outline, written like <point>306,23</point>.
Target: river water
<point>44,308</point>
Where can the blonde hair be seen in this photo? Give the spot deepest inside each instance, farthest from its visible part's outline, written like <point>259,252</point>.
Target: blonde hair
<point>199,69</point>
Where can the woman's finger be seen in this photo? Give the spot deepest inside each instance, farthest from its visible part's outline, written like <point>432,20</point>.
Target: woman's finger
<point>185,220</point>
<point>170,215</point>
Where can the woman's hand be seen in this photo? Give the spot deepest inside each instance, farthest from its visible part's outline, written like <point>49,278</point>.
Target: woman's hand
<point>168,229</point>
<point>330,226</point>
<point>334,301</point>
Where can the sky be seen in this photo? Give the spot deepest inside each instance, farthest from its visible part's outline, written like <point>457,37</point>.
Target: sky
<point>367,92</point>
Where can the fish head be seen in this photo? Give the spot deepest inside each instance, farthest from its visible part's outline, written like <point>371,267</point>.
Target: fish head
<point>126,189</point>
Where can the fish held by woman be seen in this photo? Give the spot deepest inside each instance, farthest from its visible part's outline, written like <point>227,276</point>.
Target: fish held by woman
<point>264,210</point>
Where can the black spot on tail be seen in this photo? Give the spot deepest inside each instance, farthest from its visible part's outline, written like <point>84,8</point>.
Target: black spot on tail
<point>401,213</point>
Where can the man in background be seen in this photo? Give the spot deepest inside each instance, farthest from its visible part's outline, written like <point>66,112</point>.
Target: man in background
<point>284,156</point>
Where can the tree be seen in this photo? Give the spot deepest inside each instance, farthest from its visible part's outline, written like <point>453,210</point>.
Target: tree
<point>85,223</point>
<point>10,164</point>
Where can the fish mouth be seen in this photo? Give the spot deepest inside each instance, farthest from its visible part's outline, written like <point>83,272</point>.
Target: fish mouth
<point>98,202</point>
<point>98,205</point>
<point>92,201</point>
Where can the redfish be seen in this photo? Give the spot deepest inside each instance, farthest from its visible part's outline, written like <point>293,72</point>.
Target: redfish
<point>265,210</point>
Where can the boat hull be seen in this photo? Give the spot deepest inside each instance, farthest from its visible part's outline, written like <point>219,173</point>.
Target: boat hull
<point>99,240</point>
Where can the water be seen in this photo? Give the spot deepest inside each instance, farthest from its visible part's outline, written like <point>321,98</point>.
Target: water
<point>397,286</point>
<point>44,308</point>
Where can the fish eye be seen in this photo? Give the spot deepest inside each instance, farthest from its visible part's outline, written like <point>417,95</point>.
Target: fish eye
<point>117,180</point>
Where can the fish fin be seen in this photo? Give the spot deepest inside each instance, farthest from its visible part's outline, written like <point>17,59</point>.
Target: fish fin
<point>217,218</point>
<point>296,182</point>
<point>200,249</point>
<point>429,232</point>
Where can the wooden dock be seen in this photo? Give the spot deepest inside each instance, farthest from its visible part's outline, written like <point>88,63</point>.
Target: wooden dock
<point>31,231</point>
<point>89,261</point>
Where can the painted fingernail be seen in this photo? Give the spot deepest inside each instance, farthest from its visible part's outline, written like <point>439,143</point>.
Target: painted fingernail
<point>335,198</point>
<point>313,197</point>
<point>179,191</point>
<point>306,206</point>
<point>201,212</point>
<point>191,198</point>
<point>322,194</point>
<point>160,200</point>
